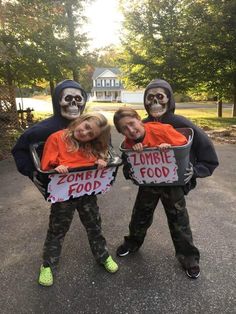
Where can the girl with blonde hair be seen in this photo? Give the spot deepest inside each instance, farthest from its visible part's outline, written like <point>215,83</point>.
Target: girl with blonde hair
<point>84,143</point>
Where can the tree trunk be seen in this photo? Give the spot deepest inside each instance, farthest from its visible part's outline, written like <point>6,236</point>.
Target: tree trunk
<point>234,104</point>
<point>51,83</point>
<point>234,108</point>
<point>73,49</point>
<point>219,108</point>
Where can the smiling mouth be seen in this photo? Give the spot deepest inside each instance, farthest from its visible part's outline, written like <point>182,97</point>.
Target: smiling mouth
<point>135,135</point>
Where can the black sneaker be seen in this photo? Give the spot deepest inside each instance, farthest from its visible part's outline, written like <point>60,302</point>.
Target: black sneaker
<point>193,272</point>
<point>126,248</point>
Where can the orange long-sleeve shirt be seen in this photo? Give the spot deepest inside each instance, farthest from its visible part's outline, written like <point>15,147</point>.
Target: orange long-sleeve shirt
<point>55,153</point>
<point>157,133</point>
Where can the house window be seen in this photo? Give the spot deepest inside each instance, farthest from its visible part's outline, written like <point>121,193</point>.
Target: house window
<point>107,83</point>
<point>117,83</point>
<point>98,83</point>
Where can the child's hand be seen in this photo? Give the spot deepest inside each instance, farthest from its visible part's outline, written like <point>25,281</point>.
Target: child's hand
<point>138,147</point>
<point>62,169</point>
<point>101,163</point>
<point>164,146</point>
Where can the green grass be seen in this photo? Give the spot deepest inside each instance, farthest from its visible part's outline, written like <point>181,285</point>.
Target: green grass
<point>208,117</point>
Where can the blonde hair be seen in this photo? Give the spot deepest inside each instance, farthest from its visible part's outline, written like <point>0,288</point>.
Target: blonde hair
<point>99,145</point>
<point>122,113</point>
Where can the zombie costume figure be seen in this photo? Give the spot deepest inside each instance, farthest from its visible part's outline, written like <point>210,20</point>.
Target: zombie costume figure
<point>69,101</point>
<point>160,106</point>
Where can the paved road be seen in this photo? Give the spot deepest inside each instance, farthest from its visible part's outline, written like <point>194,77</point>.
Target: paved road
<point>150,281</point>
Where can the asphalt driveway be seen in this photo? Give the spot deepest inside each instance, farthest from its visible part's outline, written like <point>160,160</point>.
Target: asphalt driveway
<point>150,281</point>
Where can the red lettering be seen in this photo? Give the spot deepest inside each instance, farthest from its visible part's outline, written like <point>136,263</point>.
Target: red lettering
<point>165,171</point>
<point>142,172</point>
<point>142,158</point>
<point>62,177</point>
<point>76,188</point>
<point>88,186</point>
<point>158,172</point>
<point>154,172</point>
<point>72,188</point>
<point>88,175</point>
<point>149,158</point>
<point>156,157</point>
<point>135,162</point>
<point>96,185</point>
<point>150,172</point>
<point>96,173</point>
<point>103,173</point>
<point>166,156</point>
<point>80,188</point>
<point>79,175</point>
<point>70,177</point>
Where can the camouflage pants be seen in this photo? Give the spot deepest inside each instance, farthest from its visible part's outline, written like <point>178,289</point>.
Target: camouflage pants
<point>59,223</point>
<point>174,204</point>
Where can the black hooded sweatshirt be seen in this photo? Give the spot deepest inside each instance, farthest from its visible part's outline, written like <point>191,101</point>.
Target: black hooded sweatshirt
<point>40,131</point>
<point>202,154</point>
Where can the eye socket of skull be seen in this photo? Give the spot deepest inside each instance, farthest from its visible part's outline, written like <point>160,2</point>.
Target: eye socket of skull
<point>72,103</point>
<point>69,98</point>
<point>156,95</point>
<point>159,96</point>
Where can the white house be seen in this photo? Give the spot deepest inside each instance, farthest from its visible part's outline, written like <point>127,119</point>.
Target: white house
<point>106,85</point>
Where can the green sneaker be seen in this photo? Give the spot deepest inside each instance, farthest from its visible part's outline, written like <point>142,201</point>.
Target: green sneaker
<point>110,265</point>
<point>45,276</point>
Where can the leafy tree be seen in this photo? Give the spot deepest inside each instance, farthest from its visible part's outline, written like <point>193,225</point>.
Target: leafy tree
<point>214,38</point>
<point>43,40</point>
<point>154,42</point>
<point>190,43</point>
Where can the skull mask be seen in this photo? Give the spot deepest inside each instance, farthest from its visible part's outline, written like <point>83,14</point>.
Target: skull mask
<point>72,103</point>
<point>156,102</point>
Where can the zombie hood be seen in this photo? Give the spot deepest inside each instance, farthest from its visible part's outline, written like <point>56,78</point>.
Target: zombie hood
<point>59,98</point>
<point>202,155</point>
<point>40,131</point>
<point>168,100</point>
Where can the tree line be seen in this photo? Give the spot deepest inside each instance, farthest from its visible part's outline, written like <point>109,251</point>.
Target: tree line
<point>189,43</point>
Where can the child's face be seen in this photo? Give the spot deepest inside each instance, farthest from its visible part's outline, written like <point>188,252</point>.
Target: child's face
<point>86,131</point>
<point>132,128</point>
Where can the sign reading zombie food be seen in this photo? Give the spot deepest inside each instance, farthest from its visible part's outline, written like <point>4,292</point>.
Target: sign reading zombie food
<point>153,166</point>
<point>75,184</point>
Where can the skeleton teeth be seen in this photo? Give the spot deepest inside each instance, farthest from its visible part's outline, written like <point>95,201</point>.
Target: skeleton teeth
<point>72,110</point>
<point>157,108</point>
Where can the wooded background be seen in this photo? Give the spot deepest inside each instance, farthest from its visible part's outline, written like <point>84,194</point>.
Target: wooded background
<point>191,44</point>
